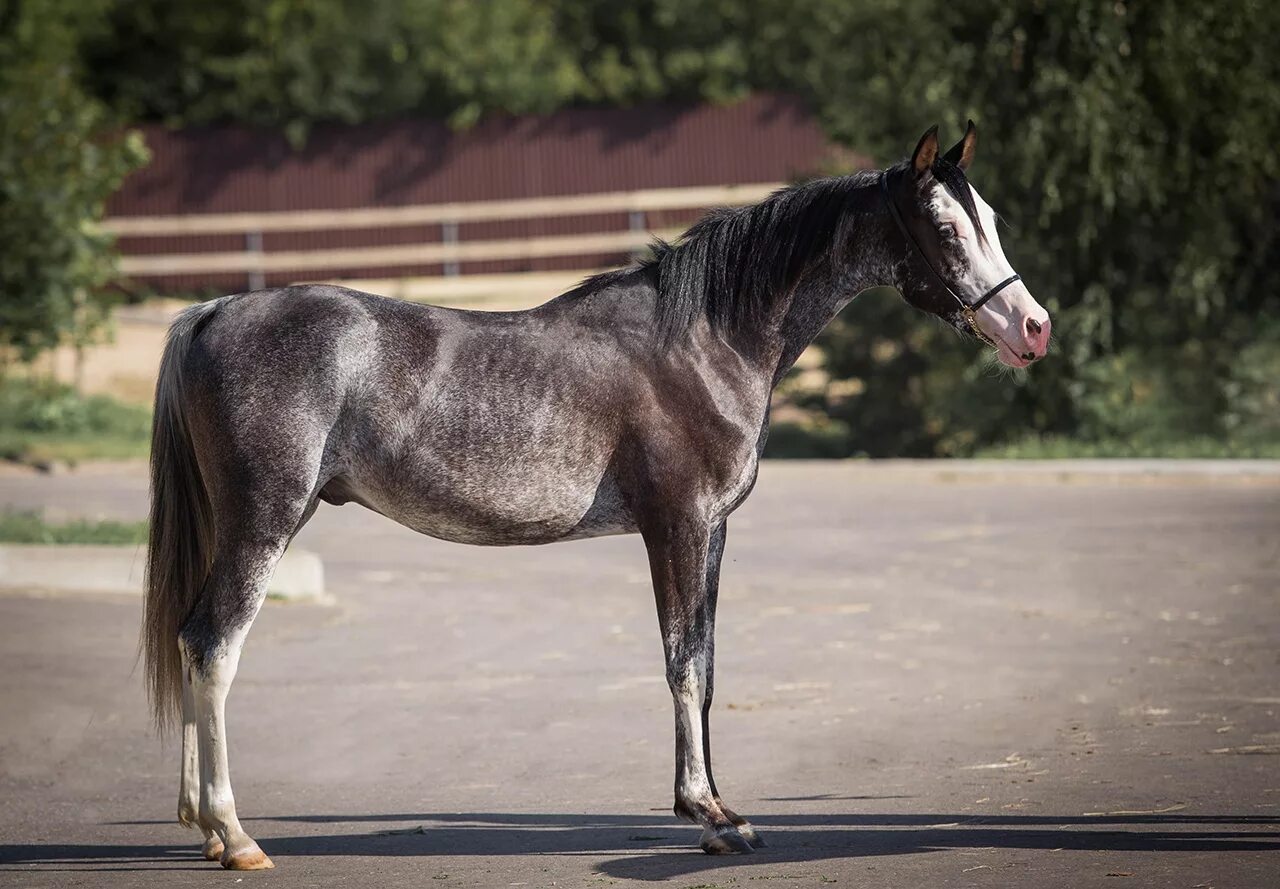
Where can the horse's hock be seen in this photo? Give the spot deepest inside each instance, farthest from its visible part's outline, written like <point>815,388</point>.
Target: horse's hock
<point>72,568</point>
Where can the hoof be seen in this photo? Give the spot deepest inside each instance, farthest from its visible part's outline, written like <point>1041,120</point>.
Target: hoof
<point>251,858</point>
<point>212,850</point>
<point>749,834</point>
<point>724,841</point>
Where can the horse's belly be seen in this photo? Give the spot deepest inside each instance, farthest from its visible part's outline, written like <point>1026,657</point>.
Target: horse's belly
<point>487,528</point>
<point>523,508</point>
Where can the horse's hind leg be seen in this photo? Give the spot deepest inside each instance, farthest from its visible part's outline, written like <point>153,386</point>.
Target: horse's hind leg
<point>189,794</point>
<point>249,543</point>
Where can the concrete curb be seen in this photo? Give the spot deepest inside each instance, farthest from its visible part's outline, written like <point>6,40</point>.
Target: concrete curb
<point>1094,467</point>
<point>1086,471</point>
<point>118,570</point>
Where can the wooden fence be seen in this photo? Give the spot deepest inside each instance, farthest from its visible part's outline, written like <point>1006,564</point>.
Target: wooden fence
<point>255,262</point>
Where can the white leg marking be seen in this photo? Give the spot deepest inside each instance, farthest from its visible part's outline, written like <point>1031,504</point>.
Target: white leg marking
<point>719,836</point>
<point>189,794</point>
<point>689,694</point>
<point>217,804</point>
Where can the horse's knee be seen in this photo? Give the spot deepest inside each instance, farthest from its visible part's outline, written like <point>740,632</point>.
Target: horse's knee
<point>229,601</point>
<point>198,639</point>
<point>211,647</point>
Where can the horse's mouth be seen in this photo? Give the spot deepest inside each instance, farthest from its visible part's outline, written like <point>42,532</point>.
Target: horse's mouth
<point>1009,358</point>
<point>1007,354</point>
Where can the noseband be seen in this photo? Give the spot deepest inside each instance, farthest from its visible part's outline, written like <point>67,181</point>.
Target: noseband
<point>967,310</point>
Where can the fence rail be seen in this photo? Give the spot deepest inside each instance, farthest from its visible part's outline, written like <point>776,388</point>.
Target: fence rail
<point>256,262</point>
<point>428,214</point>
<point>378,257</point>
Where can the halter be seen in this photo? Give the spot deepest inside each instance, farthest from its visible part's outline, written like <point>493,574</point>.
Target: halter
<point>967,310</point>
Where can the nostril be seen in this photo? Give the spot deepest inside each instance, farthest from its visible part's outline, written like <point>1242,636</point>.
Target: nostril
<point>1033,326</point>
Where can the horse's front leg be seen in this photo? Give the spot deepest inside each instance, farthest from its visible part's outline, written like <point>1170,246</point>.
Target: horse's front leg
<point>678,559</point>
<point>714,555</point>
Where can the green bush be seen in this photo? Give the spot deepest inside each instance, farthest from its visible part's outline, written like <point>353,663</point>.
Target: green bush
<point>43,421</point>
<point>923,391</point>
<point>62,154</point>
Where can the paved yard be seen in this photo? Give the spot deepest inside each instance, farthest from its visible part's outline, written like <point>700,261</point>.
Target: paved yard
<point>924,681</point>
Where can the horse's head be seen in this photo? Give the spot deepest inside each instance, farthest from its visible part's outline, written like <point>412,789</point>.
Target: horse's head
<point>955,266</point>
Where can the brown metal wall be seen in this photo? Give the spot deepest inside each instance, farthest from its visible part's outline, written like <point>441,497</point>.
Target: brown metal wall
<point>225,169</point>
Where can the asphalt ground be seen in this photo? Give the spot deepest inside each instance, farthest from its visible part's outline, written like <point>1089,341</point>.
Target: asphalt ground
<point>924,679</point>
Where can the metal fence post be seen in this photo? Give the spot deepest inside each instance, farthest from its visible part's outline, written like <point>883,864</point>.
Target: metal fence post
<point>636,223</point>
<point>253,247</point>
<point>449,234</point>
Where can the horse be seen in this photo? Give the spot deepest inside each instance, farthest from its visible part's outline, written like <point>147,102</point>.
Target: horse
<point>637,402</point>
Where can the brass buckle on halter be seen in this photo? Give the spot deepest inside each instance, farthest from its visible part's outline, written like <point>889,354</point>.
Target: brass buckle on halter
<point>971,318</point>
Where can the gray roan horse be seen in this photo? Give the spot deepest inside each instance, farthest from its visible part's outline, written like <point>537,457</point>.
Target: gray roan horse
<point>638,402</point>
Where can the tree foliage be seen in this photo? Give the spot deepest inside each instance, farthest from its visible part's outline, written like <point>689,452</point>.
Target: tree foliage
<point>59,161</point>
<point>1129,146</point>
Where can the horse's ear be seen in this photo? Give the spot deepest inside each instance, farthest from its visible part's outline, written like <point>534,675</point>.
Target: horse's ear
<point>961,154</point>
<point>926,152</point>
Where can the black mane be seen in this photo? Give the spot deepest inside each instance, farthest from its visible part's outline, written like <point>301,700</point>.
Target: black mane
<point>731,263</point>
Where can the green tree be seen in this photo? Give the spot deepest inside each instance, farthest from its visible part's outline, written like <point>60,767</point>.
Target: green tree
<point>289,64</point>
<point>1131,147</point>
<point>60,158</point>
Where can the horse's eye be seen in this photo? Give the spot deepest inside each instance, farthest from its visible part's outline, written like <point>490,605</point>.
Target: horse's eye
<point>948,231</point>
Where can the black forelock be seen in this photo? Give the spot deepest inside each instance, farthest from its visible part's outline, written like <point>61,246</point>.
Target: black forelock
<point>954,181</point>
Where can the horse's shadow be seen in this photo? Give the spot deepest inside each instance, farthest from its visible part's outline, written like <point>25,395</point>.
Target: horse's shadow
<point>655,847</point>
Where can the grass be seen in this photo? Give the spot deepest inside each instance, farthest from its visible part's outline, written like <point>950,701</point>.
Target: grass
<point>42,422</point>
<point>31,527</point>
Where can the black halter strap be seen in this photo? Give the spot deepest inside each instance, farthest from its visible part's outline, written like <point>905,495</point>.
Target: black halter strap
<point>968,310</point>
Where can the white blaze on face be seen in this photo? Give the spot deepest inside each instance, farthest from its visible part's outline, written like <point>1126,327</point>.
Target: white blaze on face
<point>1012,318</point>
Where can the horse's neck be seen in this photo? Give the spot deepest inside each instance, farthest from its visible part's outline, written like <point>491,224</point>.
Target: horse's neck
<point>815,301</point>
